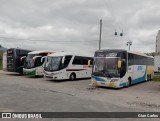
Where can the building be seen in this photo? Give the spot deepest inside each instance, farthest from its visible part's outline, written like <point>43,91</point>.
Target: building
<point>157,54</point>
<point>158,42</point>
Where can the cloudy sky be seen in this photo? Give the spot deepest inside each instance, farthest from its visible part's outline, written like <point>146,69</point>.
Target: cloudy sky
<point>73,25</point>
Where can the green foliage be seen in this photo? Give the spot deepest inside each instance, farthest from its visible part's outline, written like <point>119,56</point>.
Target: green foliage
<point>0,64</point>
<point>1,55</point>
<point>156,78</point>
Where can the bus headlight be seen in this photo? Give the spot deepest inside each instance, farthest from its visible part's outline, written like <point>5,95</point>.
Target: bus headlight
<point>114,80</point>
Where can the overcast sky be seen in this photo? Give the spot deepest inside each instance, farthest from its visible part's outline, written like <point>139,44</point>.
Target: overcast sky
<point>46,24</point>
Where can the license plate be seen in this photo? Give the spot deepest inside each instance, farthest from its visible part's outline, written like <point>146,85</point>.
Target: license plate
<point>103,83</point>
<point>111,84</point>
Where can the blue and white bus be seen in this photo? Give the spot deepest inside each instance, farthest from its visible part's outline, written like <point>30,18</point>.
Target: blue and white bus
<point>119,68</point>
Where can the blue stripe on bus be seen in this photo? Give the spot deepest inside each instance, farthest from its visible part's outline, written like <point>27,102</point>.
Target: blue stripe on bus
<point>141,79</point>
<point>122,85</point>
<point>98,79</point>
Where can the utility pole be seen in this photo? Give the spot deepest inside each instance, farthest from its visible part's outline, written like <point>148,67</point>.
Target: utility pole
<point>129,44</point>
<point>100,34</point>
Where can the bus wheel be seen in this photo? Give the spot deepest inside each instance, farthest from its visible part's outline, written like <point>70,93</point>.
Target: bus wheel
<point>150,77</point>
<point>128,83</point>
<point>72,77</point>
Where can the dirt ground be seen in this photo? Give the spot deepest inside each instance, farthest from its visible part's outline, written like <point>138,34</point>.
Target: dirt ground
<point>144,96</point>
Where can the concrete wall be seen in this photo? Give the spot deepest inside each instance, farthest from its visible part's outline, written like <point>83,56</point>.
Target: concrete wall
<point>158,42</point>
<point>157,63</point>
<point>4,61</point>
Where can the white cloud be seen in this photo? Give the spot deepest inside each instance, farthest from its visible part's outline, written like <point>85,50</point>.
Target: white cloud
<point>78,20</point>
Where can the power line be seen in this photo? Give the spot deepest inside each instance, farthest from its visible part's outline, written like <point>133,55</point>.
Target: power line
<point>12,38</point>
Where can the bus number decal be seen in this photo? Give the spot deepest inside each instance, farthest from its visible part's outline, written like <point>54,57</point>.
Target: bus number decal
<point>139,68</point>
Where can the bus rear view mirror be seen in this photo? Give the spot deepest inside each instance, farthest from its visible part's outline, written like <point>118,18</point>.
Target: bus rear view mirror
<point>23,58</point>
<point>89,62</point>
<point>119,64</point>
<point>43,59</point>
<point>63,58</point>
<point>35,58</point>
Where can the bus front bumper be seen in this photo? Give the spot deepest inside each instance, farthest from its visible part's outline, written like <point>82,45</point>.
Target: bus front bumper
<point>106,83</point>
<point>29,72</point>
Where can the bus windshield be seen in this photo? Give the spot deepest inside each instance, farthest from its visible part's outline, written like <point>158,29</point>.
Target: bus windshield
<point>52,63</point>
<point>106,63</point>
<point>106,66</point>
<point>29,61</point>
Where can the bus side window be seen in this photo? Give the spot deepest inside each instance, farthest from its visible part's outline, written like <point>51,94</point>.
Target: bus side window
<point>85,61</point>
<point>91,63</point>
<point>38,62</point>
<point>67,60</point>
<point>77,61</point>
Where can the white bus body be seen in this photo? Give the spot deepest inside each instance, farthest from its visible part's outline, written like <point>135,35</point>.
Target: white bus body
<point>134,68</point>
<point>5,61</point>
<point>33,64</point>
<point>61,66</point>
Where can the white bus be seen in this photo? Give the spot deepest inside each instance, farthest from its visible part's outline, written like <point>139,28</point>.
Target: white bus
<point>33,63</point>
<point>60,66</point>
<point>119,68</point>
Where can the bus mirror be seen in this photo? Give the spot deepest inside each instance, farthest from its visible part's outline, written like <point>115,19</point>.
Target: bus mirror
<point>89,62</point>
<point>35,58</point>
<point>23,58</point>
<point>119,64</point>
<point>63,59</point>
<point>43,59</point>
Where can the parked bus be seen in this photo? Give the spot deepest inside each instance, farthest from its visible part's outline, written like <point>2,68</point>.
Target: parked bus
<point>60,66</point>
<point>13,59</point>
<point>33,63</point>
<point>120,68</point>
<point>4,61</point>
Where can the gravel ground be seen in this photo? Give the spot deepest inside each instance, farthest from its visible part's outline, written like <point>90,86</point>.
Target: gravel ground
<point>140,97</point>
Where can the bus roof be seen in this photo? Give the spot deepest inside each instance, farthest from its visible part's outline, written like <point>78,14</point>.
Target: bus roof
<point>39,51</point>
<point>65,53</point>
<point>17,49</point>
<point>133,52</point>
<point>111,50</point>
<point>138,53</point>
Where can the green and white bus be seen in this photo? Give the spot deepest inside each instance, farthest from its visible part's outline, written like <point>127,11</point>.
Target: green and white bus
<point>33,62</point>
<point>119,68</point>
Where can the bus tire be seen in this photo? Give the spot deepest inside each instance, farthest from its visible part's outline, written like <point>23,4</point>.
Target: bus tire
<point>150,77</point>
<point>72,76</point>
<point>128,83</point>
<point>20,70</point>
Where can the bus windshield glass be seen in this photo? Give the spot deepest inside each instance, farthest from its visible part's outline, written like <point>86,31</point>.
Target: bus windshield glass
<point>106,67</point>
<point>52,63</point>
<point>29,61</point>
<point>106,64</point>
